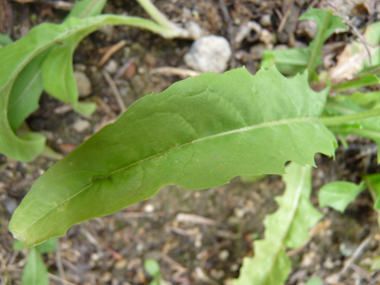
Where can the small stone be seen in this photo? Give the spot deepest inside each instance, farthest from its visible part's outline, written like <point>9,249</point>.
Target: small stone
<point>307,28</point>
<point>150,59</point>
<point>308,259</point>
<point>83,83</point>
<point>265,20</point>
<point>223,255</point>
<point>217,274</point>
<point>80,67</point>
<point>149,208</point>
<point>239,212</point>
<point>209,53</point>
<point>195,31</point>
<point>267,38</point>
<point>328,263</point>
<point>120,264</point>
<point>346,249</point>
<point>81,125</point>
<point>111,66</point>
<point>234,267</point>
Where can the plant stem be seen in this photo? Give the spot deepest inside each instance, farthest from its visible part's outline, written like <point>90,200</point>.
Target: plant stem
<point>338,120</point>
<point>156,14</point>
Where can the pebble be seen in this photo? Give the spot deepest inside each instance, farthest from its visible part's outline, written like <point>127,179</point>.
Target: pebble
<point>149,208</point>
<point>81,125</point>
<point>216,274</point>
<point>209,53</point>
<point>111,66</point>
<point>308,259</point>
<point>239,212</point>
<point>223,255</point>
<point>307,28</point>
<point>195,31</point>
<point>83,83</point>
<point>265,20</point>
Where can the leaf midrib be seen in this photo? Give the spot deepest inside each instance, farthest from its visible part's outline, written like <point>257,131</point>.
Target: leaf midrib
<point>240,130</point>
<point>292,214</point>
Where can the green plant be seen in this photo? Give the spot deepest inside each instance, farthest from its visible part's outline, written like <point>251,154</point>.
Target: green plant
<point>200,133</point>
<point>153,268</point>
<point>35,271</point>
<point>43,60</point>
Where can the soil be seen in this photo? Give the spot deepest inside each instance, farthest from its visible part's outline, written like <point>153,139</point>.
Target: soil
<point>198,237</point>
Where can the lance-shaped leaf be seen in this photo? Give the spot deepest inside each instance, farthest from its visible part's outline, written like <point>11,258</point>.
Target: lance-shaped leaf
<point>286,228</point>
<point>199,133</point>
<point>35,272</point>
<point>14,57</point>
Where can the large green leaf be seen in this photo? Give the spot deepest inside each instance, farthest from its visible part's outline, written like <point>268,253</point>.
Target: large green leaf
<point>199,133</point>
<point>287,227</point>
<point>14,57</point>
<point>339,194</point>
<point>35,272</point>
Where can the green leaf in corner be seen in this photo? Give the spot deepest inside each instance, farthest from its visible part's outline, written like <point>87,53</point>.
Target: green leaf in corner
<point>365,80</point>
<point>315,281</point>
<point>366,100</point>
<point>199,133</point>
<point>338,195</point>
<point>35,272</point>
<point>47,246</point>
<point>286,228</point>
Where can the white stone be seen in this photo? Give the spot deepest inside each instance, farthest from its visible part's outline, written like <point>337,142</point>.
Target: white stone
<point>209,53</point>
<point>83,84</point>
<point>81,125</point>
<point>111,66</point>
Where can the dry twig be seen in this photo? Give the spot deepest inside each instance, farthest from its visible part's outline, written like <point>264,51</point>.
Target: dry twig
<point>111,52</point>
<point>115,91</point>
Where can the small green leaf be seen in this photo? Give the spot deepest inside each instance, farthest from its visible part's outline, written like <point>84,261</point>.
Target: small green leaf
<point>86,8</point>
<point>47,246</point>
<point>373,183</point>
<point>366,100</point>
<point>152,267</point>
<point>365,80</point>
<point>199,133</point>
<point>5,40</point>
<point>85,108</point>
<point>338,195</point>
<point>315,281</point>
<point>35,272</point>
<point>286,228</point>
<point>327,24</point>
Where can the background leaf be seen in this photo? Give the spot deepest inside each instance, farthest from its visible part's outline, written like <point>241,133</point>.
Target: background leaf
<point>35,272</point>
<point>199,133</point>
<point>287,227</point>
<point>338,195</point>
<point>5,40</point>
<point>296,60</point>
<point>47,246</point>
<point>315,281</point>
<point>59,63</point>
<point>365,80</point>
<point>152,267</point>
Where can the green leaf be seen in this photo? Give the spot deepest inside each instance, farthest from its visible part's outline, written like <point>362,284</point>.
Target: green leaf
<point>5,40</point>
<point>338,195</point>
<point>315,281</point>
<point>199,133</point>
<point>152,267</point>
<point>287,227</point>
<point>35,272</point>
<point>59,63</point>
<point>296,60</point>
<point>365,80</point>
<point>373,184</point>
<point>47,246</point>
<point>14,58</point>
<point>26,92</point>
<point>18,245</point>
<point>327,24</point>
<point>366,100</point>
